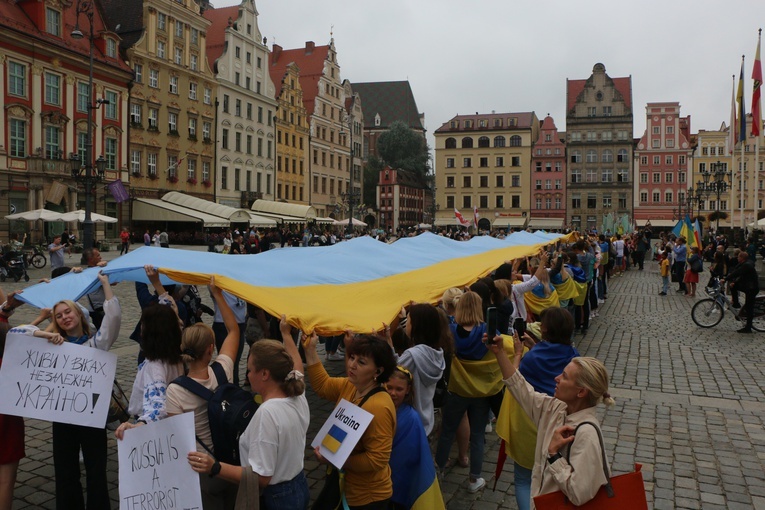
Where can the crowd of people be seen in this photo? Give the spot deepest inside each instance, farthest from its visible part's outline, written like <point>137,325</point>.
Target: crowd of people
<point>500,353</point>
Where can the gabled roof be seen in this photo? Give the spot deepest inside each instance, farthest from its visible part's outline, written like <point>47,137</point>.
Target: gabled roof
<point>216,35</point>
<point>310,60</point>
<point>13,18</point>
<point>392,100</point>
<point>622,85</point>
<point>128,15</point>
<point>524,120</point>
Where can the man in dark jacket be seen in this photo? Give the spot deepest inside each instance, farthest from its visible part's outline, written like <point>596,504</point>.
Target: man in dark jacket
<point>744,279</point>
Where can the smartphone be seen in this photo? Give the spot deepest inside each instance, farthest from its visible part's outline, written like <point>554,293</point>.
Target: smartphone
<point>520,327</point>
<point>491,324</point>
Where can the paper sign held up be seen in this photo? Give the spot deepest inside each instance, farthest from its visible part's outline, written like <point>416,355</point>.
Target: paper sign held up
<point>341,432</point>
<point>65,383</point>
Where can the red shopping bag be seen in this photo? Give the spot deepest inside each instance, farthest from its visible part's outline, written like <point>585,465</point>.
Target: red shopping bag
<point>627,492</point>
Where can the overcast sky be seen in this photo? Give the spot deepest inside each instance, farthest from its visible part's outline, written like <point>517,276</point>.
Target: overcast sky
<point>463,57</point>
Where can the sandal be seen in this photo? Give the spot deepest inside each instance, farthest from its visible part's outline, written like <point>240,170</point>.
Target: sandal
<point>463,463</point>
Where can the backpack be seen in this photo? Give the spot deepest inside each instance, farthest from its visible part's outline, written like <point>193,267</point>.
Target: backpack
<point>229,411</point>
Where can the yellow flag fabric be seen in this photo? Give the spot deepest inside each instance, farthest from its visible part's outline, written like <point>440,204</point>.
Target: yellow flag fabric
<point>581,293</point>
<point>518,431</point>
<point>567,289</point>
<point>536,304</point>
<point>481,378</point>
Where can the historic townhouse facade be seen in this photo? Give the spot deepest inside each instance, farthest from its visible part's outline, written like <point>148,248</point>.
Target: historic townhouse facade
<point>45,94</point>
<point>548,178</point>
<point>401,197</point>
<point>329,162</point>
<point>599,146</point>
<point>172,99</point>
<point>663,158</point>
<point>291,136</point>
<point>712,148</point>
<point>353,134</point>
<point>246,127</point>
<point>484,161</point>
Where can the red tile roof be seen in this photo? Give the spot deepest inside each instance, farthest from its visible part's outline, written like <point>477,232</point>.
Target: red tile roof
<point>216,34</point>
<point>575,87</point>
<point>310,60</point>
<point>14,18</point>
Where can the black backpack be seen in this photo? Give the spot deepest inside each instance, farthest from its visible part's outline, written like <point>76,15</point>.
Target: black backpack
<point>229,411</point>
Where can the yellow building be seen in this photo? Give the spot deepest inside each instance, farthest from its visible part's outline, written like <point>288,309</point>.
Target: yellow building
<point>291,136</point>
<point>484,161</point>
<point>173,96</point>
<point>711,150</point>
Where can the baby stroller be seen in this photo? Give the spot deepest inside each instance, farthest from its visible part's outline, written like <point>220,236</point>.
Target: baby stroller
<point>12,265</point>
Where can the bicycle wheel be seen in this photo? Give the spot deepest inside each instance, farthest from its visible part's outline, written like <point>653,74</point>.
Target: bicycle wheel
<point>707,313</point>
<point>39,260</point>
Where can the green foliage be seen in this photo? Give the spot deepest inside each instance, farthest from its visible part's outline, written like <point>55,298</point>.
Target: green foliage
<point>718,215</point>
<point>402,147</point>
<point>371,178</point>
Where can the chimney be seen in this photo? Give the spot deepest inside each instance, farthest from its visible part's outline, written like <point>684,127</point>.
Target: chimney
<point>309,47</point>
<point>275,52</point>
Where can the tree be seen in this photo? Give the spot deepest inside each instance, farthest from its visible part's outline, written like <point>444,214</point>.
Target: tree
<point>402,147</point>
<point>371,178</point>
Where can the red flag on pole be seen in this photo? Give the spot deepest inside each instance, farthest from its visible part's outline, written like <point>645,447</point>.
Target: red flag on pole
<point>741,105</point>
<point>757,78</point>
<point>732,136</point>
<point>475,216</point>
<point>460,218</point>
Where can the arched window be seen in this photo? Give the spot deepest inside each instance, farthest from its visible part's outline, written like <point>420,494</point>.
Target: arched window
<point>592,156</point>
<point>499,141</point>
<point>451,143</point>
<point>576,157</point>
<point>483,141</point>
<point>515,141</point>
<point>467,143</point>
<point>608,156</point>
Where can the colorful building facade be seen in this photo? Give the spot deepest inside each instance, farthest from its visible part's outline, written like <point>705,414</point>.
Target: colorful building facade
<point>548,178</point>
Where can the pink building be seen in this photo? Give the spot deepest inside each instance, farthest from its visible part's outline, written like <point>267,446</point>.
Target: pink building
<point>662,165</point>
<point>401,198</point>
<point>548,178</point>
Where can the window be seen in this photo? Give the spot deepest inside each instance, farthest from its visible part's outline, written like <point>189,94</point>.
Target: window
<point>52,89</point>
<point>111,108</point>
<point>576,157</point>
<point>161,21</point>
<point>592,111</point>
<point>515,141</point>
<point>450,181</point>
<point>467,143</point>
<point>558,166</point>
<point>191,168</point>
<point>153,118</point>
<point>644,177</point>
<point>224,138</point>
<point>622,175</point>
<point>576,136</point>
<point>178,29</point>
<point>208,95</point>
<point>172,122</point>
<point>539,166</point>
<point>681,160</point>
<point>548,183</point>
<point>449,162</point>
<point>83,97</point>
<point>17,79</point>
<point>515,161</point>
<point>538,184</point>
<point>592,201</point>
<point>607,176</point>
<point>483,162</point>
<point>592,136</point>
<point>655,143</point>
<point>607,156</point>
<point>225,103</point>
<point>194,62</point>
<point>656,197</point>
<point>657,160</point>
<point>238,108</point>
<point>499,141</point>
<point>483,141</point>
<point>224,177</point>
<point>467,162</point>
<point>178,55</point>
<point>592,175</point>
<point>467,203</point>
<point>592,156</point>
<point>500,181</point>
<point>668,197</point>
<point>249,144</point>
<point>154,78</point>
<point>500,161</point>
<point>160,49</point>
<point>192,128</point>
<point>656,178</point>
<point>576,175</point>
<point>135,162</point>
<point>135,114</point>
<point>466,181</point>
<point>499,201</point>
<point>192,91</point>
<point>668,177</point>
<point>607,112</point>
<point>450,202</point>
<point>621,156</point>
<point>18,138</point>
<point>670,142</point>
<point>151,164</point>
<point>515,201</point>
<point>515,181</point>
<point>681,177</point>
<point>643,196</point>
<point>238,142</point>
<point>53,22</point>
<point>237,78</point>
<point>206,171</point>
<point>173,84</point>
<point>194,36</point>
<point>52,142</point>
<point>607,201</point>
<point>110,153</point>
<point>668,160</point>
<point>450,143</point>
<point>576,201</point>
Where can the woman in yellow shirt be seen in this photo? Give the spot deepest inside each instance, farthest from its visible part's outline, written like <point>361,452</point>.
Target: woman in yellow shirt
<point>369,363</point>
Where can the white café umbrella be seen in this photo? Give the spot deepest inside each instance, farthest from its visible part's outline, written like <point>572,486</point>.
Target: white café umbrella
<point>79,215</point>
<point>37,214</point>
<point>356,223</point>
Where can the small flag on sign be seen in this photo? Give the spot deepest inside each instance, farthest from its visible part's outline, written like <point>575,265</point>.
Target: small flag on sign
<point>334,439</point>
<point>118,191</point>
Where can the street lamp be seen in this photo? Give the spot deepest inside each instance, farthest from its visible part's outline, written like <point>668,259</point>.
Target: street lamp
<point>87,8</point>
<point>351,195</point>
<point>717,181</point>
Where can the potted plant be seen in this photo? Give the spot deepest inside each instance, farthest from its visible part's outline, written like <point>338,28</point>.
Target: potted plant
<point>191,180</point>
<point>173,178</point>
<point>206,183</point>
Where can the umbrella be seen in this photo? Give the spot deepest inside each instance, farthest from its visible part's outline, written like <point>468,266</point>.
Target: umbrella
<point>37,214</point>
<point>356,223</point>
<point>79,215</point>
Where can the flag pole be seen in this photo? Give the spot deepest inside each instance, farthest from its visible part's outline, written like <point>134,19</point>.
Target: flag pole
<point>757,123</point>
<point>742,138</point>
<point>732,138</point>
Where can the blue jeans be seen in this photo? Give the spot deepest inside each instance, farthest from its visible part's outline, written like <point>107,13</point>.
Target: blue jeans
<point>291,495</point>
<point>665,284</point>
<point>522,480</point>
<point>478,415</point>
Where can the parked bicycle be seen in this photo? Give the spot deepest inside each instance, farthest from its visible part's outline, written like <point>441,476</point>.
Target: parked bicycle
<point>35,258</point>
<point>708,312</point>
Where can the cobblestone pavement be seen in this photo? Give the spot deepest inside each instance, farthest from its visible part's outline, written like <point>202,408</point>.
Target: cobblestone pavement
<point>690,406</point>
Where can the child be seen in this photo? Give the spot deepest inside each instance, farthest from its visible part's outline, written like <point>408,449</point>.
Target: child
<point>664,268</point>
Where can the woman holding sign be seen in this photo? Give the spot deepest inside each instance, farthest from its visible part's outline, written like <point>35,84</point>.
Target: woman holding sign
<point>369,364</point>
<point>273,444</point>
<point>70,322</point>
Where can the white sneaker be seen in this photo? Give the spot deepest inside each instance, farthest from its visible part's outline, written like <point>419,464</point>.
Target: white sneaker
<point>488,428</point>
<point>336,357</point>
<point>601,301</point>
<point>476,486</point>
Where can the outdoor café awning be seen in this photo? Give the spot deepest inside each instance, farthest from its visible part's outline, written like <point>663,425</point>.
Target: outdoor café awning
<point>509,221</point>
<point>154,210</point>
<point>657,223</point>
<point>232,214</point>
<point>289,213</point>
<point>545,223</point>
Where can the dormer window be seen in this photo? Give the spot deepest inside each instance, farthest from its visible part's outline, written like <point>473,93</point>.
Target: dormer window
<point>53,21</point>
<point>111,48</point>
<point>377,119</point>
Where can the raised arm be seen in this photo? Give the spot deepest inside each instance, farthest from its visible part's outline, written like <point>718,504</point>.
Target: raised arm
<point>289,344</point>
<point>230,345</point>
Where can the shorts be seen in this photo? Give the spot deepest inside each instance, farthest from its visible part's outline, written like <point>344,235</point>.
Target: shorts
<point>619,261</point>
<point>12,432</point>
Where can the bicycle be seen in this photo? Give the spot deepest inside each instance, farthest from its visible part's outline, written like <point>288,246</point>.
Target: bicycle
<point>35,258</point>
<point>708,313</point>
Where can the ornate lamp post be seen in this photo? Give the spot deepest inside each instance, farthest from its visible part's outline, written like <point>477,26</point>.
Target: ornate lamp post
<point>351,195</point>
<point>717,181</point>
<point>89,177</point>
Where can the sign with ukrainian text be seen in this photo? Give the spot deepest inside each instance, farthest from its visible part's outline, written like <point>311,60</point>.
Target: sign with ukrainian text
<point>65,383</point>
<point>341,432</point>
<point>154,468</point>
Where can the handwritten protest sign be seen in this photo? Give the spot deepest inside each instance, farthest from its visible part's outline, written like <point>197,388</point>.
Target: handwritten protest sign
<point>340,433</point>
<point>65,383</point>
<point>154,470</point>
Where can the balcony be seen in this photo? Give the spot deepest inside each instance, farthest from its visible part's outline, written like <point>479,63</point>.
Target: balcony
<point>50,167</point>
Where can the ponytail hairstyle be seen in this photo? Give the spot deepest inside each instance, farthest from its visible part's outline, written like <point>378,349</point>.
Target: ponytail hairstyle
<point>196,339</point>
<point>272,356</point>
<point>450,298</point>
<point>593,376</point>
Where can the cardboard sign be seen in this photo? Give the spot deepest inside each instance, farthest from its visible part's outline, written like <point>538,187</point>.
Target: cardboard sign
<point>341,432</point>
<point>154,468</point>
<point>65,383</point>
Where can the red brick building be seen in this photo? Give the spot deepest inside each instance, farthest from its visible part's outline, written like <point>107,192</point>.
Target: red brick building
<point>400,198</point>
<point>548,178</point>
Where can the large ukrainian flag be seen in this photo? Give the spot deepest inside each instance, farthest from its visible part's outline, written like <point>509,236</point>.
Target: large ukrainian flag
<point>356,285</point>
